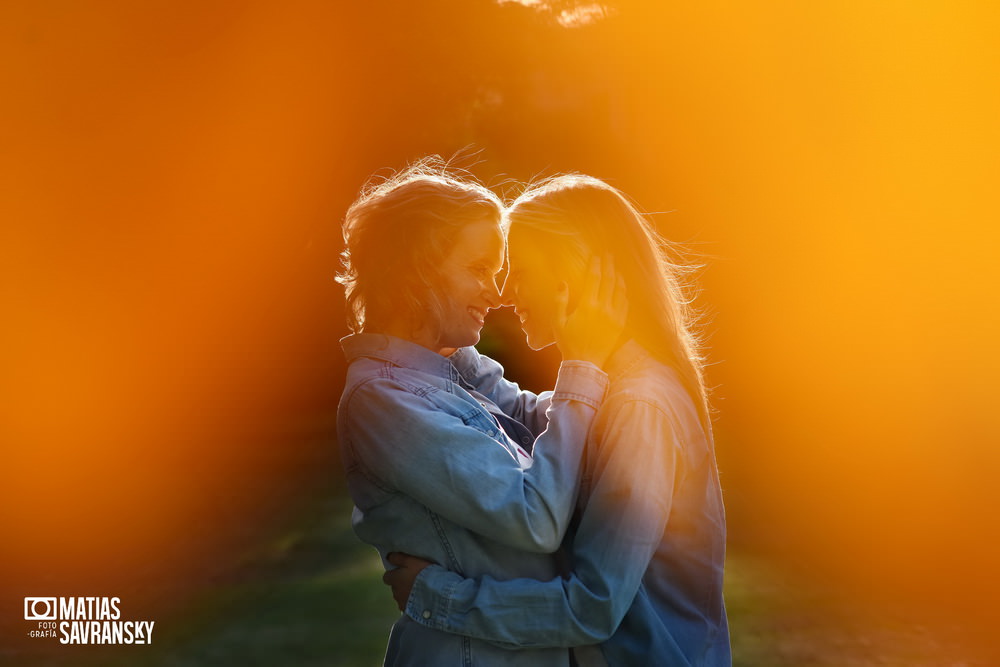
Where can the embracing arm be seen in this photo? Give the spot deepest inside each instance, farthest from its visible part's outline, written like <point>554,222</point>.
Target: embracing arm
<point>485,375</point>
<point>464,474</point>
<point>621,529</point>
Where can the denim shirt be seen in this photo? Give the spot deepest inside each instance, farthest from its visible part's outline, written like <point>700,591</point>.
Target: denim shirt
<point>647,543</point>
<point>433,473</point>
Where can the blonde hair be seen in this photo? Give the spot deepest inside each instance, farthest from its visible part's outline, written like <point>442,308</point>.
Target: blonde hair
<point>397,234</point>
<point>575,216</point>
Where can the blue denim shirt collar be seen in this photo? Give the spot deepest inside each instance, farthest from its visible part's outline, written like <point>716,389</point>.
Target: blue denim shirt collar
<point>399,352</point>
<point>625,358</point>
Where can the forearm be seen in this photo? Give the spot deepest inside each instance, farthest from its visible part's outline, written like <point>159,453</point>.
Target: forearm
<point>518,613</point>
<point>619,533</point>
<point>612,551</point>
<point>536,517</point>
<point>458,467</point>
<point>485,375</point>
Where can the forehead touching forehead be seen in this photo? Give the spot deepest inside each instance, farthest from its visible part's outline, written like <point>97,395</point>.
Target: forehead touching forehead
<point>478,247</point>
<point>519,245</point>
<point>483,238</point>
<point>530,249</point>
<point>566,218</point>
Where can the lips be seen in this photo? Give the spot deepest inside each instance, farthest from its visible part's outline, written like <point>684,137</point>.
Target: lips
<point>478,314</point>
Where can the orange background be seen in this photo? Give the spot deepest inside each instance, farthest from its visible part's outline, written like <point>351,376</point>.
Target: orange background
<point>172,179</point>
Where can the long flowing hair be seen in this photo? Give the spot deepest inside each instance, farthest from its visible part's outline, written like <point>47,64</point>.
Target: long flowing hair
<point>575,216</point>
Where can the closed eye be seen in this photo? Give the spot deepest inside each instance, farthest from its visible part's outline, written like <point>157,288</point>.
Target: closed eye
<point>482,272</point>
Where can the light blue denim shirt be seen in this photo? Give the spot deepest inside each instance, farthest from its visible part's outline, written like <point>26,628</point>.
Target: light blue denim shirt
<point>647,543</point>
<point>433,474</point>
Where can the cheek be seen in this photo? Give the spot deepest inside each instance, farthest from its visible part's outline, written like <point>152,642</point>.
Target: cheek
<point>458,290</point>
<point>549,304</point>
<point>550,292</point>
<point>543,305</point>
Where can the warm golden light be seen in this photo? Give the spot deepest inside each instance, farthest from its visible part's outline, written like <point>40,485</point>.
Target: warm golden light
<point>157,243</point>
<point>172,181</point>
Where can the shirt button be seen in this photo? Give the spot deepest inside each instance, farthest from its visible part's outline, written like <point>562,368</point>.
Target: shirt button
<point>426,614</point>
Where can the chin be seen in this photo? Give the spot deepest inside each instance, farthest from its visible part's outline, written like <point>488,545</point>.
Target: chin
<point>464,341</point>
<point>537,343</point>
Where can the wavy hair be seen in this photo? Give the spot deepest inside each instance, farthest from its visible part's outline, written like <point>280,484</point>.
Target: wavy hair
<point>398,232</point>
<point>574,216</point>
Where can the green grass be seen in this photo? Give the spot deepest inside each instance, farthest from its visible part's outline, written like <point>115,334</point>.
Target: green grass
<point>312,595</point>
<point>779,619</point>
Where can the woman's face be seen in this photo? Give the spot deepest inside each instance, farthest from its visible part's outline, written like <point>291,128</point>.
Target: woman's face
<point>532,287</point>
<point>468,285</point>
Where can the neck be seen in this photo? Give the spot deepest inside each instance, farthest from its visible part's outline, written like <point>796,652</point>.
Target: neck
<point>624,338</point>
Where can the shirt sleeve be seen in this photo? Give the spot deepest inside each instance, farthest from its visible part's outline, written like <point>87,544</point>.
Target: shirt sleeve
<point>462,473</point>
<point>485,375</point>
<point>621,528</point>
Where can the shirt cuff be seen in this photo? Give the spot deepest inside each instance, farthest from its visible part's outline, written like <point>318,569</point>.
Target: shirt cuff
<point>581,381</point>
<point>465,360</point>
<point>429,597</point>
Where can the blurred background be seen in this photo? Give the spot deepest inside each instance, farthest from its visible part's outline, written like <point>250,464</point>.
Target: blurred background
<point>172,181</point>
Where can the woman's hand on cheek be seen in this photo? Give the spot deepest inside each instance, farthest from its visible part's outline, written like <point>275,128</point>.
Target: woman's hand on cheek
<point>595,327</point>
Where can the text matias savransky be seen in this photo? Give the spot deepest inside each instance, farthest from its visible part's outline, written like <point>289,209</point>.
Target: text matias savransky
<point>85,620</point>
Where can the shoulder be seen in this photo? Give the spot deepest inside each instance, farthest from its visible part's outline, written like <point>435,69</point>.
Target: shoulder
<point>373,384</point>
<point>653,391</point>
<point>387,382</point>
<point>403,397</point>
<point>370,374</point>
<point>652,383</point>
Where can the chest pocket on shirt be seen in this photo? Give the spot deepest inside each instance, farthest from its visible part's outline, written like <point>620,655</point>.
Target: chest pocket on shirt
<point>482,420</point>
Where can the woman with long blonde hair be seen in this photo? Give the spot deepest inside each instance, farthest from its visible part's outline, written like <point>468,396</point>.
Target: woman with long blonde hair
<point>646,546</point>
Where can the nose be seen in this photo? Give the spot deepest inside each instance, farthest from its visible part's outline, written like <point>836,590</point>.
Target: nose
<point>491,294</point>
<point>507,292</point>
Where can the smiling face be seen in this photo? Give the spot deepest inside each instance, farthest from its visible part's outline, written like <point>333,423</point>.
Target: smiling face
<point>468,286</point>
<point>532,286</point>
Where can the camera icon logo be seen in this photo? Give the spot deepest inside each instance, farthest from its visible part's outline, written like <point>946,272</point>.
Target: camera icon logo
<point>40,609</point>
